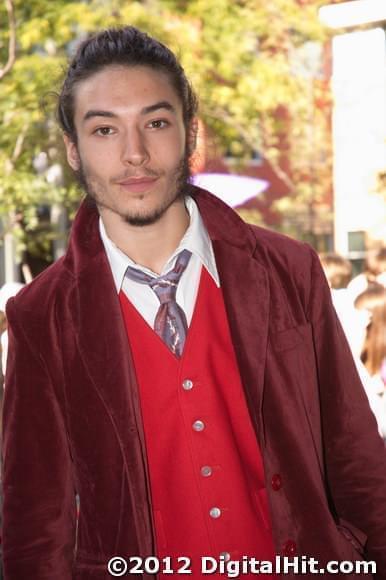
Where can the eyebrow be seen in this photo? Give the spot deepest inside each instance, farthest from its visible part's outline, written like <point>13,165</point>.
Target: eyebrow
<point>145,111</point>
<point>160,105</point>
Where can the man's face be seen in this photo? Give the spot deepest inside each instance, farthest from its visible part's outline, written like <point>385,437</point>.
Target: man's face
<point>131,154</point>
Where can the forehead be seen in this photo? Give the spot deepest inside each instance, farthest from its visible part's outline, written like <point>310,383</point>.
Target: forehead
<point>124,88</point>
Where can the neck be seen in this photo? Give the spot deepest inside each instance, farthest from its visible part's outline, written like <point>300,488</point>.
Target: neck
<point>150,245</point>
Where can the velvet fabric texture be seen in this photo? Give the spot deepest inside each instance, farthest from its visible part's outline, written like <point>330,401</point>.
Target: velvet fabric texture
<point>72,421</point>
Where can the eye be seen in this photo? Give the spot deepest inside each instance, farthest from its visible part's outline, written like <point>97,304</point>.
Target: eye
<point>103,131</point>
<point>158,124</point>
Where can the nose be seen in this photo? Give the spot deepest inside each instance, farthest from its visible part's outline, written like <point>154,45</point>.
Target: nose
<point>134,150</point>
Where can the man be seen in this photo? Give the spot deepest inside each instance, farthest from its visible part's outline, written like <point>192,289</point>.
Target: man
<point>179,371</point>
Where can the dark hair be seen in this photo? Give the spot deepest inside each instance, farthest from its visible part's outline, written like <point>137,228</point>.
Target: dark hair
<point>126,46</point>
<point>338,270</point>
<point>373,299</point>
<point>375,263</point>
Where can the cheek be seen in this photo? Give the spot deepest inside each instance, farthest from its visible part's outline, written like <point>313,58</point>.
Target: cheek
<point>97,160</point>
<point>170,153</point>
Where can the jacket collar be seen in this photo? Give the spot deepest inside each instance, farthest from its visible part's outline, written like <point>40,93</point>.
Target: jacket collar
<point>221,222</point>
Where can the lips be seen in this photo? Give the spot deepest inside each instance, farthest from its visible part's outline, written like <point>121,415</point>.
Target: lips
<point>138,184</point>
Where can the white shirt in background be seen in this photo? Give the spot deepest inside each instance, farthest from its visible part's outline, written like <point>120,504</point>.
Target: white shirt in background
<point>354,323</point>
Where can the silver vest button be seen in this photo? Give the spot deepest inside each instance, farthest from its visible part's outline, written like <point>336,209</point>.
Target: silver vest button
<point>206,471</point>
<point>187,384</point>
<point>198,425</point>
<point>215,513</point>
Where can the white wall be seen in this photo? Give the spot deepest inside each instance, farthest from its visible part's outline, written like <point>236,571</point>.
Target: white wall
<point>359,133</point>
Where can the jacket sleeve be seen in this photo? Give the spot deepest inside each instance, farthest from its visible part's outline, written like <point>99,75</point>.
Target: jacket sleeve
<point>355,455</point>
<point>38,491</point>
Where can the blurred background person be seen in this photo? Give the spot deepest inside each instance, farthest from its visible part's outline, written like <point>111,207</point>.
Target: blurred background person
<point>375,271</point>
<point>7,291</point>
<point>356,322</point>
<point>338,272</point>
<point>3,326</point>
<point>373,353</point>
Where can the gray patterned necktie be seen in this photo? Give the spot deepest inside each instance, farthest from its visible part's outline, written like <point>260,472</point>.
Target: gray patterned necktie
<point>170,322</point>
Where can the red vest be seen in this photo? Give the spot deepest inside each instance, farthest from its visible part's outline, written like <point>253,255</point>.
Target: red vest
<point>206,472</point>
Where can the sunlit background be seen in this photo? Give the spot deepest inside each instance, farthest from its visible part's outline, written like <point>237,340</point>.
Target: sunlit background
<point>292,116</point>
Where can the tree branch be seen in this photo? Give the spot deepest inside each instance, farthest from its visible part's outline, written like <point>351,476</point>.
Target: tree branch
<point>19,144</point>
<point>12,38</point>
<point>17,151</point>
<point>221,113</point>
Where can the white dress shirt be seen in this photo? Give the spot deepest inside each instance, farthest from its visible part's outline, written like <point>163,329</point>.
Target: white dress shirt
<point>196,240</point>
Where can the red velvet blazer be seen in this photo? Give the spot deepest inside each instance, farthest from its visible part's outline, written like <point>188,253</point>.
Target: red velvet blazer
<point>72,421</point>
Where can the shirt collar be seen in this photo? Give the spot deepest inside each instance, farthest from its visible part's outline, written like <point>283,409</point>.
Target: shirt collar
<point>196,239</point>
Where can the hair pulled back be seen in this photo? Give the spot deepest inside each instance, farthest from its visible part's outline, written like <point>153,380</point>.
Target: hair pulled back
<point>126,46</point>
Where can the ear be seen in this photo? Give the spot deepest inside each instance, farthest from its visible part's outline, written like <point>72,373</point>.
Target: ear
<point>192,135</point>
<point>72,153</point>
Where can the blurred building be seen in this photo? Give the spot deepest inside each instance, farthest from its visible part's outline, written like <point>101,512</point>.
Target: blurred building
<point>359,124</point>
<point>350,217</point>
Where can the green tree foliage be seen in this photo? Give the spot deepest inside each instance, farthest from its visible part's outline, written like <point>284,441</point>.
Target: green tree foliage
<point>243,59</point>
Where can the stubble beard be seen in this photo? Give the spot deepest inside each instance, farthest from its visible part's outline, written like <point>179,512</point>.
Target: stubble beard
<point>182,187</point>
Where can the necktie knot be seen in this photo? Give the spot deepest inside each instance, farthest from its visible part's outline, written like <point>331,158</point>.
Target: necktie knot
<point>170,322</point>
<point>164,289</point>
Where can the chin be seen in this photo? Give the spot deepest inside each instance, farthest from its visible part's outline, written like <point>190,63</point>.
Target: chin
<point>149,216</point>
<point>143,219</point>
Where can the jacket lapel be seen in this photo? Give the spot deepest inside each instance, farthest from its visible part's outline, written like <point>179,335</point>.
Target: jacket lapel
<point>103,347</point>
<point>102,339</point>
<point>101,335</point>
<point>246,294</point>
